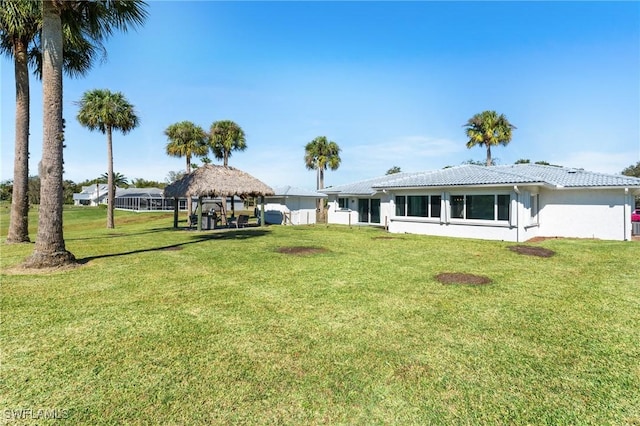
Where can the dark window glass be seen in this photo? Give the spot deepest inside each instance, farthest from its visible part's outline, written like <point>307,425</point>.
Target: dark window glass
<point>417,205</point>
<point>343,203</point>
<point>375,210</point>
<point>503,207</point>
<point>457,206</point>
<point>480,207</point>
<point>363,210</point>
<point>435,205</point>
<point>400,206</point>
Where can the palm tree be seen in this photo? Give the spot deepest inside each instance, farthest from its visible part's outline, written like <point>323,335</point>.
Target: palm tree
<point>118,179</point>
<point>103,110</point>
<point>186,140</point>
<point>50,248</point>
<point>226,136</point>
<point>320,154</point>
<point>85,25</point>
<point>489,129</point>
<point>19,22</point>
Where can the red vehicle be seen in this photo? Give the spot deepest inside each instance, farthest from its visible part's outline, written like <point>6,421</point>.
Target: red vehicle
<point>635,216</point>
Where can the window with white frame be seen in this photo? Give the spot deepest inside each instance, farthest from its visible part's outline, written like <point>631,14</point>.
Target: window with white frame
<point>401,206</point>
<point>343,203</point>
<point>418,205</point>
<point>534,208</point>
<point>480,207</point>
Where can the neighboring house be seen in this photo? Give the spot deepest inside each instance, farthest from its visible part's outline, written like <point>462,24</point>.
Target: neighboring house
<point>147,199</point>
<point>290,205</point>
<point>150,199</point>
<point>140,199</point>
<point>91,195</point>
<point>510,203</point>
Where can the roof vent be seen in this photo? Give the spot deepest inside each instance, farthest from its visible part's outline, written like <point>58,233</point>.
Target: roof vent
<point>572,171</point>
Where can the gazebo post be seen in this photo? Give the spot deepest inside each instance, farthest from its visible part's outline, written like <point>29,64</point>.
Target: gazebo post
<point>262,210</point>
<point>199,213</point>
<point>175,212</point>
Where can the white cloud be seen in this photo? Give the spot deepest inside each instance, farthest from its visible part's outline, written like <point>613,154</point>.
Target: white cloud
<point>410,153</point>
<point>603,162</point>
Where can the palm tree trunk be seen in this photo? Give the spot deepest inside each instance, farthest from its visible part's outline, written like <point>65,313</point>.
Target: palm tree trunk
<point>320,185</point>
<point>111,190</point>
<point>49,248</point>
<point>189,202</point>
<point>489,160</point>
<point>19,222</point>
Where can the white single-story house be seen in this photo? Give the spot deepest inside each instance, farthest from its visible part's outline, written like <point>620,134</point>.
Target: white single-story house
<point>91,195</point>
<point>510,203</point>
<point>296,206</point>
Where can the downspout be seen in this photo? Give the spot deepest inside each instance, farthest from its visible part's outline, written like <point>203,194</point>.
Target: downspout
<point>517,191</point>
<point>625,213</point>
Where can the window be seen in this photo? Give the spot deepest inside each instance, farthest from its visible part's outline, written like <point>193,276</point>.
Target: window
<point>457,206</point>
<point>534,209</point>
<point>417,205</point>
<point>401,208</point>
<point>435,205</point>
<point>480,207</point>
<point>503,207</point>
<point>343,203</point>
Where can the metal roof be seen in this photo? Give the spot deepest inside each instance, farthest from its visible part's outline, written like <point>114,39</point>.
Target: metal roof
<point>292,191</point>
<point>366,187</point>
<point>139,192</point>
<point>472,175</point>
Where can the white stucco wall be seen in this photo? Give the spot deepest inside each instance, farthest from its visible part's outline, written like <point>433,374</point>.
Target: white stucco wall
<point>578,213</point>
<point>453,229</point>
<point>302,210</point>
<point>350,215</point>
<point>342,216</point>
<point>592,213</point>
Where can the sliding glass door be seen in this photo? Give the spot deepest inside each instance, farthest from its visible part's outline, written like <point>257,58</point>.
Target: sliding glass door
<point>369,210</point>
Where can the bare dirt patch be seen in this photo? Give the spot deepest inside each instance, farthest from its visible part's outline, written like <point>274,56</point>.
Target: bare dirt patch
<point>301,251</point>
<point>532,250</point>
<point>171,248</point>
<point>462,278</point>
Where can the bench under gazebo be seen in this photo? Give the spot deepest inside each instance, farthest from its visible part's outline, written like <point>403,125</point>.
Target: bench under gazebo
<point>212,180</point>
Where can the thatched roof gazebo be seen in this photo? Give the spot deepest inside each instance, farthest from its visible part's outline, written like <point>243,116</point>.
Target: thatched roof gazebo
<point>211,180</point>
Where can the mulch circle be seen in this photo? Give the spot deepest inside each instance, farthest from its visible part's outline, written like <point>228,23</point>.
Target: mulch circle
<point>462,278</point>
<point>301,251</point>
<point>532,250</point>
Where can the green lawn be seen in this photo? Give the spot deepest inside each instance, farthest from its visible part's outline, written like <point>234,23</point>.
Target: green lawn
<point>163,326</point>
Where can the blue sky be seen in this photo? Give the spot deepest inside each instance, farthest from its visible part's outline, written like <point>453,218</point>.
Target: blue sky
<point>391,82</point>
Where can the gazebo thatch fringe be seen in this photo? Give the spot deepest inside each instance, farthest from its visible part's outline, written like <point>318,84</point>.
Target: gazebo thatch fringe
<point>211,180</point>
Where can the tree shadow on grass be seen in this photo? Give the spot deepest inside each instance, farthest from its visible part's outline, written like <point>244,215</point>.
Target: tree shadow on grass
<point>196,239</point>
<point>121,234</point>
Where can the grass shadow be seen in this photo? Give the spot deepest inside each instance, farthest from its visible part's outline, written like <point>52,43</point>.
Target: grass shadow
<point>119,235</point>
<point>196,239</point>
